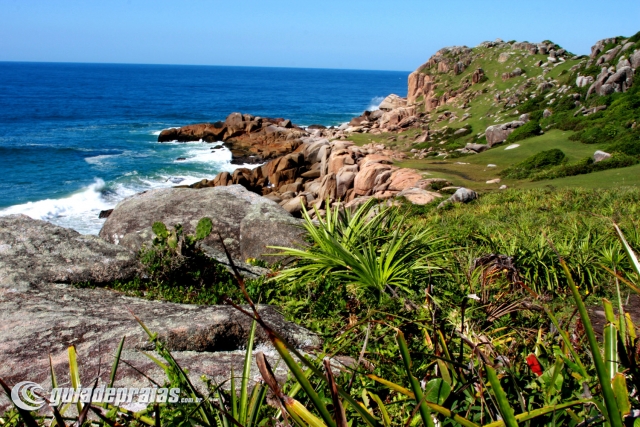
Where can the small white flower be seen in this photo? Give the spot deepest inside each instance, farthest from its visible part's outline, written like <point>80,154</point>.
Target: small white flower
<point>474,296</point>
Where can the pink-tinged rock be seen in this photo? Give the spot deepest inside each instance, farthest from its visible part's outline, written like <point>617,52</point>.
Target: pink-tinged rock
<point>374,158</point>
<point>404,178</point>
<point>392,102</point>
<point>365,179</point>
<point>419,196</point>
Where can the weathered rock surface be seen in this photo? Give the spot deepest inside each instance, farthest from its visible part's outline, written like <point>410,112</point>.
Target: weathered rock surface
<point>419,196</point>
<point>248,223</point>
<point>462,195</point>
<point>499,133</point>
<point>599,156</point>
<point>251,139</point>
<point>48,318</point>
<point>391,102</point>
<point>34,252</point>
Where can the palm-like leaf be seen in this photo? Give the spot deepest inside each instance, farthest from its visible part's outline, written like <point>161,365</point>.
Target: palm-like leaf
<point>368,249</point>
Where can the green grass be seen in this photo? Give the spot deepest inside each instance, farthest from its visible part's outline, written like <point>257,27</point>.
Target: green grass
<point>613,178</point>
<point>476,172</point>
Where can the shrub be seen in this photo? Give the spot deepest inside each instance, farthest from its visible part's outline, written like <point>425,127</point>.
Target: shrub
<point>178,270</point>
<point>617,160</point>
<point>532,104</point>
<point>535,163</point>
<point>529,129</point>
<point>630,146</point>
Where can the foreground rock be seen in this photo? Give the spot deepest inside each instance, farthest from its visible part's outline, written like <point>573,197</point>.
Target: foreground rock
<point>33,252</point>
<point>42,313</point>
<point>45,320</point>
<point>247,222</point>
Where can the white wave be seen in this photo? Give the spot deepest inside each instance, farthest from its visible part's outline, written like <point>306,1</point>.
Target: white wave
<point>99,160</point>
<point>156,132</point>
<point>78,211</point>
<point>207,154</point>
<point>374,104</point>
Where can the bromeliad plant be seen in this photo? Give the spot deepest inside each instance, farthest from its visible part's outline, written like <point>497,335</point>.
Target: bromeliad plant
<point>370,250</point>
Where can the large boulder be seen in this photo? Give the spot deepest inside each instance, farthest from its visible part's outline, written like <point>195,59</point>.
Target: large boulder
<point>34,252</point>
<point>397,115</point>
<point>418,196</point>
<point>209,132</point>
<point>248,223</point>
<point>47,319</point>
<point>462,195</point>
<point>635,59</point>
<point>499,133</point>
<point>599,156</point>
<point>392,102</point>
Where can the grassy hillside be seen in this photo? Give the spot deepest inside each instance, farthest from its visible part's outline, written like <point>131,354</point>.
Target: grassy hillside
<point>548,93</point>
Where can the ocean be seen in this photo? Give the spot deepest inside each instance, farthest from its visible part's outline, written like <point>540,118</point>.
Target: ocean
<point>76,139</point>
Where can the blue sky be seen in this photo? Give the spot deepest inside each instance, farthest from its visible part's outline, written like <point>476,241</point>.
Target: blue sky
<point>372,34</point>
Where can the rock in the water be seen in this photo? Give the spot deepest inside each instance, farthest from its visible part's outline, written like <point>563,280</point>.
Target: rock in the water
<point>34,252</point>
<point>47,319</point>
<point>247,222</point>
<point>599,156</point>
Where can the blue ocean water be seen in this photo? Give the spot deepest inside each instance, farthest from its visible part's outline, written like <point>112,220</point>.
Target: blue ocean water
<point>78,138</point>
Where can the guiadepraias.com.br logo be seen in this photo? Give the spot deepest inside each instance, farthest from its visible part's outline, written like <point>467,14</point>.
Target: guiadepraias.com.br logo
<point>31,396</point>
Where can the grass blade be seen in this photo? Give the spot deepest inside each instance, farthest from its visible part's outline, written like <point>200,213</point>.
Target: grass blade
<point>503,403</point>
<point>611,350</point>
<point>425,413</point>
<point>613,414</point>
<point>74,373</point>
<point>386,419</point>
<point>246,372</point>
<point>295,407</point>
<point>258,395</point>
<point>622,394</point>
<point>116,362</point>
<point>339,415</point>
<point>527,416</point>
<point>632,256</point>
<point>392,386</point>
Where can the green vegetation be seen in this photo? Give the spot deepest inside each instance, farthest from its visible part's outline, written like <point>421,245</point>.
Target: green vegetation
<point>473,315</point>
<point>534,164</point>
<point>467,341</point>
<point>178,270</point>
<point>618,160</point>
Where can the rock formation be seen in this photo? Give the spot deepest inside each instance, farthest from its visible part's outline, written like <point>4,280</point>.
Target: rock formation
<point>247,222</point>
<point>33,252</point>
<point>321,170</point>
<point>42,313</point>
<point>251,139</point>
<point>499,133</point>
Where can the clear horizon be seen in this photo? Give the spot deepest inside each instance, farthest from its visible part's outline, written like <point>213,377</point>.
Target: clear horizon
<point>358,35</point>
